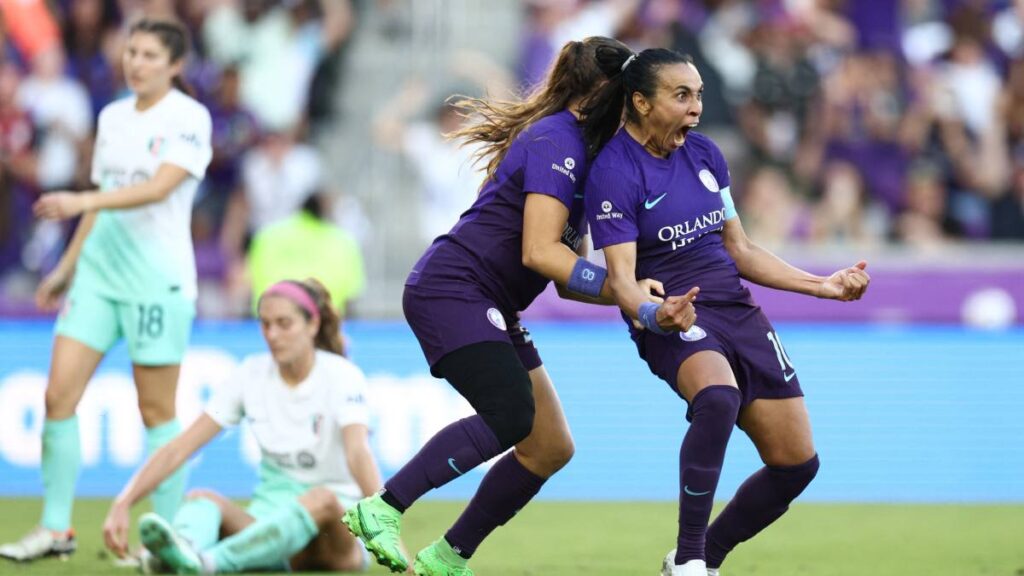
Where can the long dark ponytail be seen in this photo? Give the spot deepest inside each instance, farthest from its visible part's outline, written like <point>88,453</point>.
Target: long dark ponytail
<point>495,123</point>
<point>174,37</point>
<point>627,73</point>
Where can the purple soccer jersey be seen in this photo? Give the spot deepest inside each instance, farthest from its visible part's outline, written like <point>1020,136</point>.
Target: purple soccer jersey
<point>672,208</point>
<point>482,255</point>
<point>675,209</point>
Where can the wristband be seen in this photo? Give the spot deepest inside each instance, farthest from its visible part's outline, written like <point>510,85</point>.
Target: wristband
<point>647,314</point>
<point>587,278</point>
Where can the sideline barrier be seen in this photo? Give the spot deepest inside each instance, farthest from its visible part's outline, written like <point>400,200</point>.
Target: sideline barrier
<point>899,414</point>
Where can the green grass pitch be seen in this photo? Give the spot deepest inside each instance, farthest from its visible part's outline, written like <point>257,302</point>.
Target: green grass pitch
<point>627,539</point>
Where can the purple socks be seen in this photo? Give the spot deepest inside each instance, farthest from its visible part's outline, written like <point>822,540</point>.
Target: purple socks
<point>455,450</point>
<point>761,500</point>
<point>714,411</point>
<point>505,490</point>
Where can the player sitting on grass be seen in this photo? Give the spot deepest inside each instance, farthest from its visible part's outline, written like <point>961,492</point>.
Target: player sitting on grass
<point>306,407</point>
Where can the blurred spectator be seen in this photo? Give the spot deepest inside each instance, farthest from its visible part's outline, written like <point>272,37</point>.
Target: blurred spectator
<point>17,169</point>
<point>448,172</point>
<point>552,23</point>
<point>276,47</point>
<point>17,133</point>
<point>925,222</point>
<point>235,132</point>
<point>31,27</point>
<point>448,175</point>
<point>89,25</point>
<point>864,119</point>
<point>1008,211</point>
<point>306,245</point>
<point>62,115</point>
<point>843,121</point>
<point>845,213</point>
<point>785,84</point>
<point>276,178</point>
<point>771,212</point>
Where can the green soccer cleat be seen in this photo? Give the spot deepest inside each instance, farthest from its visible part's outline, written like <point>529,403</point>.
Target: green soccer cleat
<point>174,551</point>
<point>439,559</point>
<point>379,526</point>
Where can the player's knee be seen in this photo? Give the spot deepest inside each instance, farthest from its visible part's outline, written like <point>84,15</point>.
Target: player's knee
<point>491,377</point>
<point>58,407</point>
<point>154,412</point>
<point>718,402</point>
<point>555,456</point>
<point>809,469</point>
<point>562,452</point>
<point>202,494</point>
<point>322,505</point>
<point>791,480</point>
<point>205,494</point>
<point>512,420</point>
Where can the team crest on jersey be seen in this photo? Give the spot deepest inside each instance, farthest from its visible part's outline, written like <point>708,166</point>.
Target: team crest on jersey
<point>606,206</point>
<point>709,180</point>
<point>495,318</point>
<point>156,145</point>
<point>305,460</point>
<point>694,334</point>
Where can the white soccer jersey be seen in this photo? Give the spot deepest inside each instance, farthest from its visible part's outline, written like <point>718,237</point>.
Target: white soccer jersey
<point>298,428</point>
<point>147,251</point>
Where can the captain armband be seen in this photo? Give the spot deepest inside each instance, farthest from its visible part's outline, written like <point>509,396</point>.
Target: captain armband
<point>587,278</point>
<point>730,206</point>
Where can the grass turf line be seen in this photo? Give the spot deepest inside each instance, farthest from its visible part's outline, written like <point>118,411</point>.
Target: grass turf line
<point>627,539</point>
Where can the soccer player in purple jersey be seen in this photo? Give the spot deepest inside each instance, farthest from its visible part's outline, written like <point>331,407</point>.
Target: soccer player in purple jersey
<point>658,202</point>
<point>462,299</point>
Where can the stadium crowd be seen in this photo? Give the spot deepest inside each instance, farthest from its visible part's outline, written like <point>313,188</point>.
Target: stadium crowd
<point>867,123</point>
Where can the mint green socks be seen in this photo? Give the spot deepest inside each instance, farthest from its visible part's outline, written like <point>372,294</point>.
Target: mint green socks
<point>266,542</point>
<point>62,458</point>
<point>198,521</point>
<point>168,495</point>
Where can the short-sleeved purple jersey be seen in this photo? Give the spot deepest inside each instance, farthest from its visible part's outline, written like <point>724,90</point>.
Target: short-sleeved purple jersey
<point>484,250</point>
<point>673,209</point>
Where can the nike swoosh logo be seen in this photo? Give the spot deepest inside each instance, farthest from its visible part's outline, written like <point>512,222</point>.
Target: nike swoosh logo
<point>367,533</point>
<point>789,376</point>
<point>451,462</point>
<point>652,203</point>
<point>692,493</point>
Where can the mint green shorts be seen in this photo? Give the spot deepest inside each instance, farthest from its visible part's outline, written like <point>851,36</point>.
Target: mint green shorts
<point>156,329</point>
<point>276,488</point>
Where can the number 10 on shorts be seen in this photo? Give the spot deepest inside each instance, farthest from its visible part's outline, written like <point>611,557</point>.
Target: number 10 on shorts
<point>780,354</point>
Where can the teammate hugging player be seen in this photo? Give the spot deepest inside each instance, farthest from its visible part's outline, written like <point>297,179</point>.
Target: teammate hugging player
<point>462,301</point>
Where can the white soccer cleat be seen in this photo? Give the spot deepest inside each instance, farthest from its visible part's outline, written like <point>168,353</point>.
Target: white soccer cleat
<point>150,564</point>
<point>713,572</point>
<point>39,543</point>
<point>691,568</point>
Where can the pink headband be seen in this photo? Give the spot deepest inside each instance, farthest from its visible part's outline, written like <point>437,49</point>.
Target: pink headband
<point>296,294</point>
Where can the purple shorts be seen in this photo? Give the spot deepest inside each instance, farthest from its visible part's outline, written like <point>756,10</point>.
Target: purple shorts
<point>740,333</point>
<point>444,323</point>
